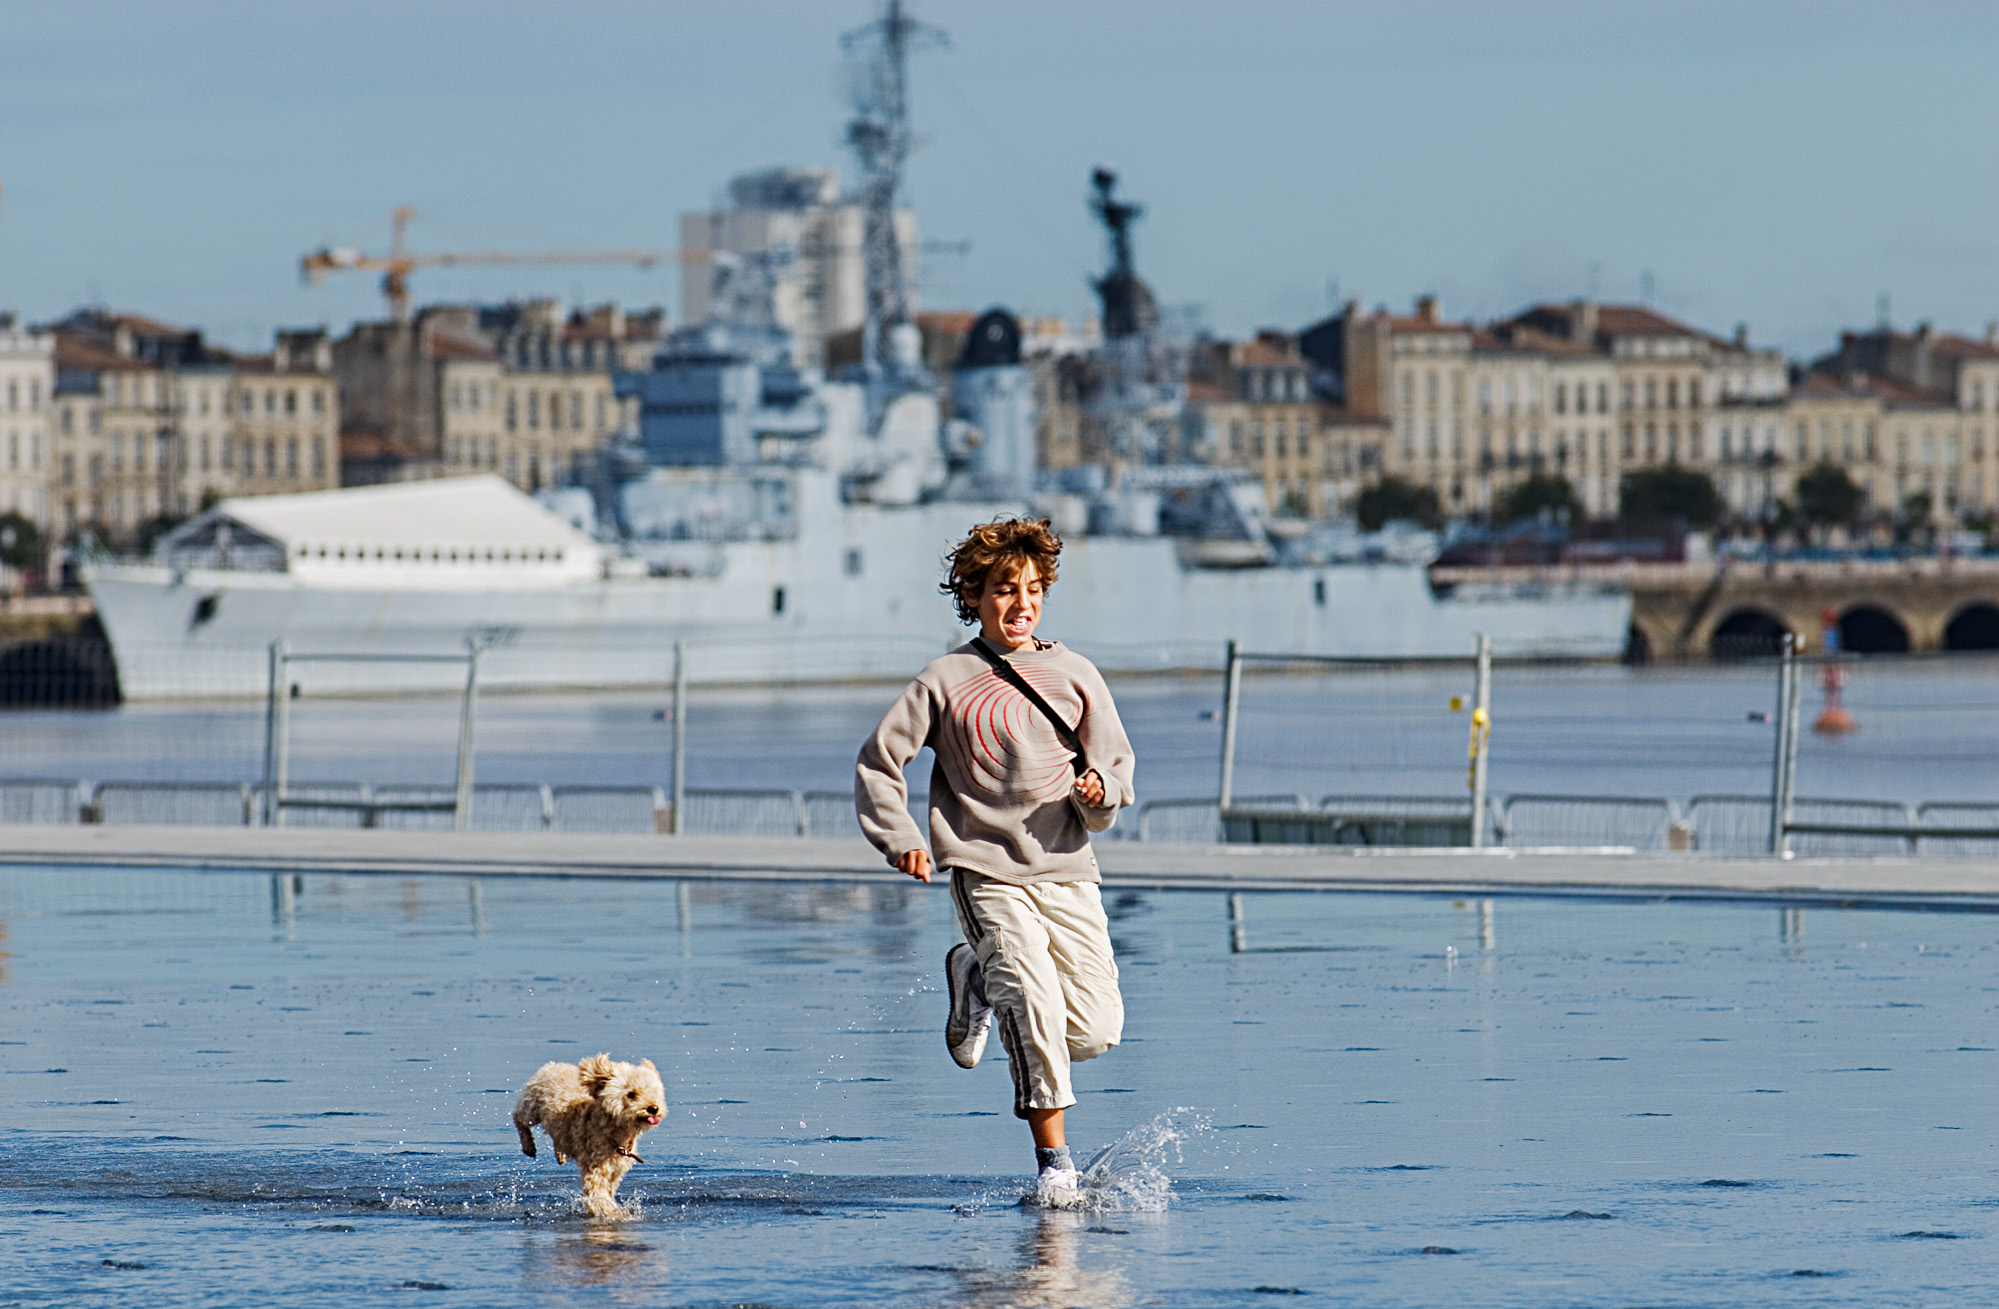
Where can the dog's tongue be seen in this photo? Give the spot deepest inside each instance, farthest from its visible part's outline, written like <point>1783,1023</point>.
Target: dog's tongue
<point>653,1119</point>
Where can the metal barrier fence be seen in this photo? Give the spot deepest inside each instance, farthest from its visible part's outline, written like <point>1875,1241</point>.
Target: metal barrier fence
<point>320,804</point>
<point>1543,820</point>
<point>745,812</point>
<point>1716,824</point>
<point>42,800</point>
<point>1193,820</point>
<point>608,808</point>
<point>1730,824</point>
<point>831,813</point>
<point>1852,813</point>
<point>1957,814</point>
<point>178,804</point>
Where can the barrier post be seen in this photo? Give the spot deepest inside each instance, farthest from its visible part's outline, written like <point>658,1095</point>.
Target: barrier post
<point>461,810</point>
<point>277,677</point>
<point>1783,757</point>
<point>674,825</point>
<point>1481,730</point>
<point>1231,698</point>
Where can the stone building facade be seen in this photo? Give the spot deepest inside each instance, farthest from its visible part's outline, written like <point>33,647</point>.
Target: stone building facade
<point>1250,405</point>
<point>523,390</point>
<point>27,390</point>
<point>1584,390</point>
<point>1913,415</point>
<point>149,422</point>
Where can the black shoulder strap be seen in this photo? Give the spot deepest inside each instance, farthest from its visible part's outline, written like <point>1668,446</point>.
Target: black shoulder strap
<point>1020,684</point>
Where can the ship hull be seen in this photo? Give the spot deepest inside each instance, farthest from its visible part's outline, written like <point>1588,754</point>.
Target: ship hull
<point>862,604</point>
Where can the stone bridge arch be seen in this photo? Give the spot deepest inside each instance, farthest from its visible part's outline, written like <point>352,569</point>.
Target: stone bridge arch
<point>1872,628</point>
<point>1747,632</point>
<point>1973,627</point>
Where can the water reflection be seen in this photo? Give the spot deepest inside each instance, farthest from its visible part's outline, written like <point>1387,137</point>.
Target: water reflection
<point>1051,1273</point>
<point>603,1255</point>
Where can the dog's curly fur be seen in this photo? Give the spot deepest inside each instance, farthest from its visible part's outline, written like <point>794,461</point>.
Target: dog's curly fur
<point>593,1112</point>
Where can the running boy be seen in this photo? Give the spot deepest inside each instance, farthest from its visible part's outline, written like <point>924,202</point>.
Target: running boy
<point>1017,789</point>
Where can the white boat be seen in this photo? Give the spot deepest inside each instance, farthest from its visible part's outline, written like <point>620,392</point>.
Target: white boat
<point>850,592</point>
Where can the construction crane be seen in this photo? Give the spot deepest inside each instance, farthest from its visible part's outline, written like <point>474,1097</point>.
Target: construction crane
<point>399,263</point>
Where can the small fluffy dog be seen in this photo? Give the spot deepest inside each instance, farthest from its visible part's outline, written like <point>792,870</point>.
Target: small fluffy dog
<point>593,1112</point>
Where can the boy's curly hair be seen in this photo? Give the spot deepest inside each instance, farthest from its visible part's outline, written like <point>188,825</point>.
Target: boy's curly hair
<point>1004,541</point>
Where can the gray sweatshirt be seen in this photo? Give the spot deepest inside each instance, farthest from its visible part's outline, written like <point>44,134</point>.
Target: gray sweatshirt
<point>1002,794</point>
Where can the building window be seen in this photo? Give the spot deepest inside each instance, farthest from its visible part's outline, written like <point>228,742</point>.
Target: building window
<point>575,409</point>
<point>513,410</point>
<point>534,409</point>
<point>291,402</point>
<point>1561,398</point>
<point>228,453</point>
<point>270,402</point>
<point>319,458</point>
<point>117,451</point>
<point>777,600</point>
<point>318,400</point>
<point>270,457</point>
<point>68,420</point>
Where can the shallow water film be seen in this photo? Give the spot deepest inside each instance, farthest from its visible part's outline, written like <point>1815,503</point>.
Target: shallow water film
<point>237,1089</point>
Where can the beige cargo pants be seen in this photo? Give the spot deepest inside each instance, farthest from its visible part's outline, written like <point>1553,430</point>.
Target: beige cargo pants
<point>1046,954</point>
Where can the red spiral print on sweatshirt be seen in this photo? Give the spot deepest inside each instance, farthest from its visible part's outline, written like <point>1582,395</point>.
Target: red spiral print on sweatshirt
<point>1008,748</point>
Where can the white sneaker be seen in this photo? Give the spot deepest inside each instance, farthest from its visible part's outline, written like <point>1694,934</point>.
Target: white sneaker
<point>971,1017</point>
<point>1058,1188</point>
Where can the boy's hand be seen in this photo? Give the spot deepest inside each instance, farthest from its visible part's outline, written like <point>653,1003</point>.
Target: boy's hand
<point>916,863</point>
<point>1091,788</point>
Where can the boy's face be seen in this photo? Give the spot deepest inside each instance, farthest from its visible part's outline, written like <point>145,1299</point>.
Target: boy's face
<point>1010,605</point>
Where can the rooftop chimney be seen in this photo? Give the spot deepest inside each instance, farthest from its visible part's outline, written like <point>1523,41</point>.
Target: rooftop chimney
<point>1582,321</point>
<point>1742,336</point>
<point>1426,308</point>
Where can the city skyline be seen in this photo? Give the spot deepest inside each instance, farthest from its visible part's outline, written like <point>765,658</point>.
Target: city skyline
<point>1749,166</point>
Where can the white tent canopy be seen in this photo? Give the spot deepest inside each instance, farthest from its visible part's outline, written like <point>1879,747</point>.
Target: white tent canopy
<point>453,532</point>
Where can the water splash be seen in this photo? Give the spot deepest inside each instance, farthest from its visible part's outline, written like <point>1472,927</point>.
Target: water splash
<point>1131,1173</point>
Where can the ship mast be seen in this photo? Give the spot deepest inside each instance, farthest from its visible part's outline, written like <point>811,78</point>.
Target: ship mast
<point>880,135</point>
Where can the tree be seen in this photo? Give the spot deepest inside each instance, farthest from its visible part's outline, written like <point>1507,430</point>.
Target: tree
<point>1827,497</point>
<point>1671,493</point>
<point>20,541</point>
<point>1391,499</point>
<point>1548,493</point>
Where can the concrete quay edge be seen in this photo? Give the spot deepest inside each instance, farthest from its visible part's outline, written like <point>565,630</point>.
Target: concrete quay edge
<point>1887,882</point>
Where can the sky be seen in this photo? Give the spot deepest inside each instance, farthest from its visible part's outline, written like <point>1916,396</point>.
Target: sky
<point>1776,164</point>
